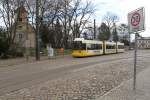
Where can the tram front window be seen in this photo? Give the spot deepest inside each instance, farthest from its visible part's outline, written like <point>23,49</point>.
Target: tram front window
<point>79,45</point>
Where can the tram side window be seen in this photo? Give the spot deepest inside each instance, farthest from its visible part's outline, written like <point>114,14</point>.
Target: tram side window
<point>83,46</point>
<point>120,47</point>
<point>94,46</point>
<point>98,46</point>
<point>110,46</point>
<point>89,46</point>
<point>76,45</point>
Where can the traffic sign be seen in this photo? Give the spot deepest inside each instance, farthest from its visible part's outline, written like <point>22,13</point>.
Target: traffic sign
<point>136,23</point>
<point>136,20</point>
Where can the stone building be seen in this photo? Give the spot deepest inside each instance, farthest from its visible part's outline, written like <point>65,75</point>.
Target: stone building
<point>143,42</point>
<point>25,34</point>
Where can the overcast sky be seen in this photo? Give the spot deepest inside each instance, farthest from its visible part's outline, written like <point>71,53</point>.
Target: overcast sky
<point>122,8</point>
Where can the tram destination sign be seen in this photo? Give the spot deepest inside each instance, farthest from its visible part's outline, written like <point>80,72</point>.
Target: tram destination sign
<point>136,20</point>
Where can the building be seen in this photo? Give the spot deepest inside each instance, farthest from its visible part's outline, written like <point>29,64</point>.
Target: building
<point>143,42</point>
<point>25,34</point>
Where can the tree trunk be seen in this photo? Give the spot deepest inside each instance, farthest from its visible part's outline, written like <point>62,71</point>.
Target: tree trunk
<point>116,48</point>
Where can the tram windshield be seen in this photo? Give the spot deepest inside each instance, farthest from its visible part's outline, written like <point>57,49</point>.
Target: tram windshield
<point>78,45</point>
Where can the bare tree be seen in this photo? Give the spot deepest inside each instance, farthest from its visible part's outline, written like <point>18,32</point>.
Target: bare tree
<point>123,28</point>
<point>81,16</point>
<point>31,7</point>
<point>115,36</point>
<point>110,18</point>
<point>73,15</point>
<point>104,34</point>
<point>9,18</point>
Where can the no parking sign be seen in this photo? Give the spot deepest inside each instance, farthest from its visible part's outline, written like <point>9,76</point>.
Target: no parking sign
<point>136,20</point>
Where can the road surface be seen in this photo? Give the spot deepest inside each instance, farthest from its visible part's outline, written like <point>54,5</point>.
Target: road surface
<point>13,78</point>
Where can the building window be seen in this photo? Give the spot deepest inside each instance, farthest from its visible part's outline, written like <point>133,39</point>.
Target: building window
<point>20,19</point>
<point>20,36</point>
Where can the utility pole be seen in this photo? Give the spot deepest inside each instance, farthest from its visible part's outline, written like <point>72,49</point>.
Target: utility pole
<point>37,32</point>
<point>65,30</point>
<point>94,30</point>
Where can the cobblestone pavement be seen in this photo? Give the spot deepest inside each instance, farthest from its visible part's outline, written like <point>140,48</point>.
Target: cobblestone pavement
<point>86,83</point>
<point>125,90</point>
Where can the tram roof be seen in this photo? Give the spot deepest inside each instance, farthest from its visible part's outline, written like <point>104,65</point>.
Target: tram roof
<point>88,41</point>
<point>114,43</point>
<point>96,41</point>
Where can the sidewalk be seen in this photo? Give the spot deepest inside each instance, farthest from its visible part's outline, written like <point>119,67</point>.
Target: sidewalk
<point>125,90</point>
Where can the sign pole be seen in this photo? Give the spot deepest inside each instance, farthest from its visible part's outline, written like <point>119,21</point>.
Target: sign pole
<point>136,21</point>
<point>135,61</point>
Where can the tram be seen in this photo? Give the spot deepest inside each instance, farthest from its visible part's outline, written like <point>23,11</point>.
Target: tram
<point>84,48</point>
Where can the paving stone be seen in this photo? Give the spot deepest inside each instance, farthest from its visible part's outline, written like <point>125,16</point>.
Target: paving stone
<point>85,84</point>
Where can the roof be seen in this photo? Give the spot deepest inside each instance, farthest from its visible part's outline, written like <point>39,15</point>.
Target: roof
<point>21,9</point>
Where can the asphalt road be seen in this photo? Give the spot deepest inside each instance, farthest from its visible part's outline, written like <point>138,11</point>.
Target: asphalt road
<point>13,78</point>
